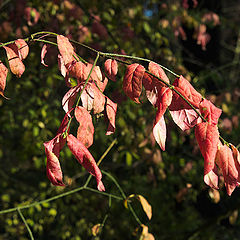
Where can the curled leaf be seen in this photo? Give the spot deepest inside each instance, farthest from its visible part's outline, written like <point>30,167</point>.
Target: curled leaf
<point>43,53</point>
<point>132,82</point>
<point>16,65</point>
<point>3,77</point>
<point>145,205</point>
<point>155,69</point>
<point>85,158</point>
<point>111,69</point>
<point>111,110</point>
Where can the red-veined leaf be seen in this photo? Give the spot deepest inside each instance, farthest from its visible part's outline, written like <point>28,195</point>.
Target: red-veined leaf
<point>132,82</point>
<point>111,110</point>
<point>85,158</point>
<point>207,136</point>
<point>155,69</point>
<point>111,69</point>
<point>16,65</point>
<point>43,53</point>
<point>86,129</point>
<point>225,160</point>
<point>23,48</point>
<point>3,77</point>
<point>65,48</point>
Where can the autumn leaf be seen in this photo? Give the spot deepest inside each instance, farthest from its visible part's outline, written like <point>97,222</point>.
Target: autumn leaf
<point>111,110</point>
<point>145,205</point>
<point>43,54</point>
<point>77,70</point>
<point>16,65</point>
<point>96,229</point>
<point>160,132</point>
<point>210,112</point>
<point>52,150</point>
<point>3,77</point>
<point>145,235</point>
<point>66,49</point>
<point>155,69</point>
<point>85,158</point>
<point>87,97</point>
<point>23,48</point>
<point>98,101</point>
<point>225,161</point>
<point>207,136</point>
<point>132,82</point>
<point>86,129</point>
<point>111,69</point>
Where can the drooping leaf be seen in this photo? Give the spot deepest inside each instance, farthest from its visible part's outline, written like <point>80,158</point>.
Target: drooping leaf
<point>145,235</point>
<point>87,97</point>
<point>225,161</point>
<point>69,98</point>
<point>63,70</point>
<point>86,129</point>
<point>210,112</point>
<point>43,53</point>
<point>132,82</point>
<point>52,149</point>
<point>77,70</point>
<point>160,132</point>
<point>16,65</point>
<point>111,69</point>
<point>3,77</point>
<point>85,158</point>
<point>66,49</point>
<point>111,110</point>
<point>23,48</point>
<point>236,156</point>
<point>98,101</point>
<point>145,205</point>
<point>96,229</point>
<point>207,136</point>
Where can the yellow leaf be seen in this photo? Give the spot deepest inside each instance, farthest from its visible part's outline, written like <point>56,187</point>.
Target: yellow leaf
<point>96,229</point>
<point>146,206</point>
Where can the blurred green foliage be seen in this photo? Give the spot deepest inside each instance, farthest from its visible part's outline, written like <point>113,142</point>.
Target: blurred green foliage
<point>171,181</point>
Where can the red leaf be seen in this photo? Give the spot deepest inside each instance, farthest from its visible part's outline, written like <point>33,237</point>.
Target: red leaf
<point>155,69</point>
<point>43,53</point>
<point>86,129</point>
<point>111,110</point>
<point>77,70</point>
<point>87,97</point>
<point>65,48</point>
<point>183,115</point>
<point>132,82</point>
<point>225,160</point>
<point>23,48</point>
<point>207,136</point>
<point>186,89</point>
<point>64,71</point>
<point>52,149</point>
<point>111,69</point>
<point>85,158</point>
<point>3,77</point>
<point>210,112</point>
<point>16,65</point>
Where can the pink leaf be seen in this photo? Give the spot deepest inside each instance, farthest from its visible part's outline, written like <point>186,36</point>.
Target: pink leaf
<point>132,82</point>
<point>86,129</point>
<point>3,77</point>
<point>43,53</point>
<point>207,136</point>
<point>159,132</point>
<point>85,158</point>
<point>210,112</point>
<point>225,161</point>
<point>98,101</point>
<point>111,110</point>
<point>23,48</point>
<point>66,49</point>
<point>69,98</point>
<point>155,69</point>
<point>111,69</point>
<point>87,97</point>
<point>16,65</point>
